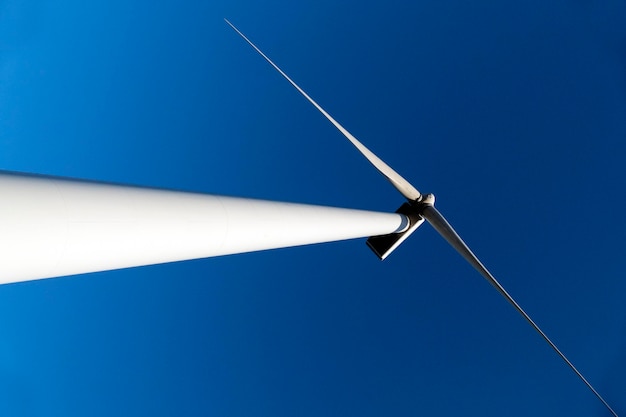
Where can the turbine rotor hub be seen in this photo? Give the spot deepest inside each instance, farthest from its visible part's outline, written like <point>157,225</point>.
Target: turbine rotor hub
<point>424,201</point>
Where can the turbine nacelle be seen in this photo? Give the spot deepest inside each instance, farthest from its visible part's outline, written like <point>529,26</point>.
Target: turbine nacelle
<point>383,245</point>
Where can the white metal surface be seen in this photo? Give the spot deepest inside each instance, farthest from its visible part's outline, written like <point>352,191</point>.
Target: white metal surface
<point>54,227</point>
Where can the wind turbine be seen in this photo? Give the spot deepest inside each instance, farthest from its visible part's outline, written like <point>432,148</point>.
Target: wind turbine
<point>56,226</point>
<point>417,208</point>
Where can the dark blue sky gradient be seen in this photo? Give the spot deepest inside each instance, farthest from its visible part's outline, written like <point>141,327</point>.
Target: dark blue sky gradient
<point>513,114</point>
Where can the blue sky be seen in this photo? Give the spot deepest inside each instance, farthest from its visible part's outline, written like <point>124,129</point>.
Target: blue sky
<point>513,114</point>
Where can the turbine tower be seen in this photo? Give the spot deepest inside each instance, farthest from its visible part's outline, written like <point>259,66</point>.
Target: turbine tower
<point>57,226</point>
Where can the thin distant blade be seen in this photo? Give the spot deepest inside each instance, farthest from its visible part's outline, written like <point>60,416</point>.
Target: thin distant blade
<point>402,185</point>
<point>447,232</point>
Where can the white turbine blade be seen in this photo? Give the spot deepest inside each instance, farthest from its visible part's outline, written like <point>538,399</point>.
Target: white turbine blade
<point>402,185</point>
<point>449,234</point>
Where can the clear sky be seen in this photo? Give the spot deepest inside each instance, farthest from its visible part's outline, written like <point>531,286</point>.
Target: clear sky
<point>512,113</point>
